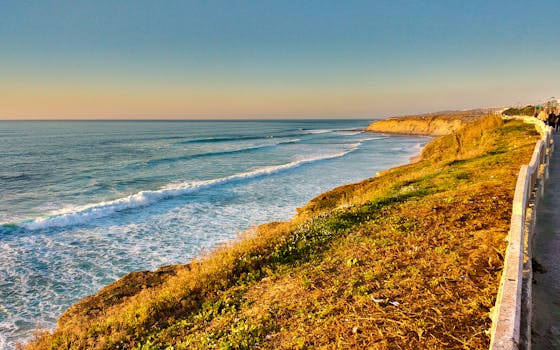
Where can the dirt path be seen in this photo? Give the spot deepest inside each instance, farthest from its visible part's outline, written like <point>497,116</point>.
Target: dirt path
<point>546,250</point>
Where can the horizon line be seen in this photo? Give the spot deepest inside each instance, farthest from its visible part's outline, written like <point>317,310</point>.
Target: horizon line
<point>188,119</point>
<point>227,117</point>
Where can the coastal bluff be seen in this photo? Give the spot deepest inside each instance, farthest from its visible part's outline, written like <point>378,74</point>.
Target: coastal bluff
<point>439,124</point>
<point>410,258</point>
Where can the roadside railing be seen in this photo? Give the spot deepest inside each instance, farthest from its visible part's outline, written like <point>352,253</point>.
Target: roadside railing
<point>511,316</point>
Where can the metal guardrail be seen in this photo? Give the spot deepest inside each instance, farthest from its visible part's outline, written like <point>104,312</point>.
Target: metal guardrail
<point>506,331</point>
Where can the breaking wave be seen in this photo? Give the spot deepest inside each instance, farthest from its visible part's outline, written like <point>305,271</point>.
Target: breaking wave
<point>80,215</point>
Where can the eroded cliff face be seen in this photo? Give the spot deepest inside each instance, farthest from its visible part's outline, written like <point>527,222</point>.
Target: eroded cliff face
<point>433,125</point>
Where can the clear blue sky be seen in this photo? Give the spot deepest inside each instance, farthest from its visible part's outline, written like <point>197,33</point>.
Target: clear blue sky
<point>206,59</point>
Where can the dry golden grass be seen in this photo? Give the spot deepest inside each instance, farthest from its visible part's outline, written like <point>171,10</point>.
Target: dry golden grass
<point>465,143</point>
<point>407,260</point>
<point>468,115</point>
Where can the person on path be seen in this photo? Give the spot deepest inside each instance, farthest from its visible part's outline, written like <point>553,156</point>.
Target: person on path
<point>551,120</point>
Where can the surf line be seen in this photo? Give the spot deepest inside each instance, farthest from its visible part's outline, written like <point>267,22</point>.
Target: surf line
<point>80,215</point>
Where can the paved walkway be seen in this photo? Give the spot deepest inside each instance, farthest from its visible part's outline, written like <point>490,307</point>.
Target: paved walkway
<point>546,252</point>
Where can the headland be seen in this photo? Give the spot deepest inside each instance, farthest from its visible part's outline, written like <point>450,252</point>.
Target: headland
<point>434,124</point>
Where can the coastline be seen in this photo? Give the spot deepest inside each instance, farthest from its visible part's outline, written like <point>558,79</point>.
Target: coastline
<point>148,278</point>
<point>266,236</point>
<point>169,239</point>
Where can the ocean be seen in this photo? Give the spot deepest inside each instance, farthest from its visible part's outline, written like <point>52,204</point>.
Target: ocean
<point>84,202</point>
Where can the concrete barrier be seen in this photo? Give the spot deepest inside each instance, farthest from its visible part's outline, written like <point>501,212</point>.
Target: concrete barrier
<point>510,320</point>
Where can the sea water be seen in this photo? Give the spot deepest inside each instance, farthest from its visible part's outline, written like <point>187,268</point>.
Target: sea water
<point>84,202</point>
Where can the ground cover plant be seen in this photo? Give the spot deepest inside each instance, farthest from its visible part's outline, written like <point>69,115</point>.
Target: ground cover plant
<point>527,110</point>
<point>410,259</point>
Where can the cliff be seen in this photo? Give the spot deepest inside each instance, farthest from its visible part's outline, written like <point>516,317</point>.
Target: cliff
<point>433,124</point>
<point>409,259</point>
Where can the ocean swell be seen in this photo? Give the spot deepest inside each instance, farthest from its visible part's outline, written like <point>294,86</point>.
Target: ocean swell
<point>80,215</point>
<point>220,153</point>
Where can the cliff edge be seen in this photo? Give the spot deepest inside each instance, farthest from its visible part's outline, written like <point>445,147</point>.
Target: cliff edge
<point>432,124</point>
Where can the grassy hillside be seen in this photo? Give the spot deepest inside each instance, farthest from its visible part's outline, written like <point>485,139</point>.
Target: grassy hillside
<point>409,259</point>
<point>527,110</point>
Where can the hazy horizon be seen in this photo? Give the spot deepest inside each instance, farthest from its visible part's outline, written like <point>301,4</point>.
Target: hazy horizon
<point>288,60</point>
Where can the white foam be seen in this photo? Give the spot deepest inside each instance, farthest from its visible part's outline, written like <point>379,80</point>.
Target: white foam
<point>7,328</point>
<point>373,138</point>
<point>268,145</point>
<point>83,214</point>
<point>3,342</point>
<point>318,131</point>
<point>349,132</point>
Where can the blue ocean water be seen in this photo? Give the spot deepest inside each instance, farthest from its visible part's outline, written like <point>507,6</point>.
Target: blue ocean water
<point>84,202</point>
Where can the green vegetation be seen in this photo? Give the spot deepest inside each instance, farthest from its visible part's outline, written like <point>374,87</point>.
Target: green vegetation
<point>527,110</point>
<point>409,259</point>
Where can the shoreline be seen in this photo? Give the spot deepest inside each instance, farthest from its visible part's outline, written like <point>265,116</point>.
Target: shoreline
<point>407,149</point>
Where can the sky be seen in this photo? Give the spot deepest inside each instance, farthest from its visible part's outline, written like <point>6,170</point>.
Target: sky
<point>273,59</point>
